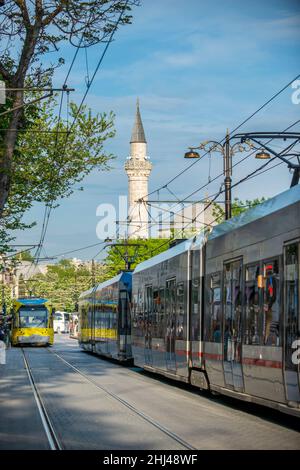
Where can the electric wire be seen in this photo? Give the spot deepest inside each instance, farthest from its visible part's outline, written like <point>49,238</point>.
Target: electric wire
<point>184,170</point>
<point>48,210</point>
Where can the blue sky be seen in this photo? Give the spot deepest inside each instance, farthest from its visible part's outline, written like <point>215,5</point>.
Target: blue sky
<point>198,67</point>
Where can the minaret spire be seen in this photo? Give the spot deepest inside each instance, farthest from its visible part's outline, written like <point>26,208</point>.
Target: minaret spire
<point>138,168</point>
<point>138,134</point>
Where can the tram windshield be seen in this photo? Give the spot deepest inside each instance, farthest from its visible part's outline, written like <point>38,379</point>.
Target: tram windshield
<point>33,317</point>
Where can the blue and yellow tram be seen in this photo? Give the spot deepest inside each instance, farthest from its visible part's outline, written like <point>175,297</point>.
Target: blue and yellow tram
<point>104,318</point>
<point>32,322</point>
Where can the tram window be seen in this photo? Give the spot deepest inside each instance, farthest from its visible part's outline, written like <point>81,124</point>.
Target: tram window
<point>161,309</point>
<point>195,307</point>
<point>214,318</point>
<point>149,299</point>
<point>252,306</point>
<point>155,312</point>
<point>171,306</point>
<point>33,317</point>
<point>180,311</point>
<point>271,303</point>
<point>123,307</point>
<point>149,307</point>
<point>291,276</point>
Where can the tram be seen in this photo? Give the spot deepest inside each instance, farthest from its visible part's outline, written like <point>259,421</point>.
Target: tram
<point>32,322</point>
<point>221,311</point>
<point>104,318</point>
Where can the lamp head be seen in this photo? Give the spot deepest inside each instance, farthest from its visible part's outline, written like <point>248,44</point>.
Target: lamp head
<point>262,155</point>
<point>191,154</point>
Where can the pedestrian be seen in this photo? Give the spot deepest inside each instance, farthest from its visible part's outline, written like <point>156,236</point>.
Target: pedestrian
<point>2,346</point>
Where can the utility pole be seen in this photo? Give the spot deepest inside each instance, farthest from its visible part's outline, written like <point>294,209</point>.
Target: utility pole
<point>227,173</point>
<point>93,272</point>
<point>227,151</point>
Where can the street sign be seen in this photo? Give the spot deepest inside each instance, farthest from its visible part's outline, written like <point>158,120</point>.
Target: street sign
<point>2,92</point>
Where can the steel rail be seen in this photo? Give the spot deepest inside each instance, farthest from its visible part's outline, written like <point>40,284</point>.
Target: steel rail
<point>47,425</point>
<point>128,405</point>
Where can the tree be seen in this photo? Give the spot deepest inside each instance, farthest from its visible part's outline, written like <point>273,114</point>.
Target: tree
<point>32,29</point>
<point>65,281</point>
<point>45,167</point>
<point>24,256</point>
<point>121,252</point>
<point>238,207</point>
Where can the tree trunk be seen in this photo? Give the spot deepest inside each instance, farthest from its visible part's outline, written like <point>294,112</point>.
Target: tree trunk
<point>8,150</point>
<point>6,157</point>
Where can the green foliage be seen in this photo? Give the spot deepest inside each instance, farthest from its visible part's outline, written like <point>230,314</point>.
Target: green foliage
<point>35,166</point>
<point>25,256</point>
<point>49,161</point>
<point>238,207</point>
<point>6,298</point>
<point>38,28</point>
<point>64,282</point>
<point>119,254</point>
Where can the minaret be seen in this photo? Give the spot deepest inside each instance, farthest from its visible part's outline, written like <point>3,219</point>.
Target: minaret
<point>138,168</point>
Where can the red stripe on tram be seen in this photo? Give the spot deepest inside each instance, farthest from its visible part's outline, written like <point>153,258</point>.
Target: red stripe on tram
<point>262,362</point>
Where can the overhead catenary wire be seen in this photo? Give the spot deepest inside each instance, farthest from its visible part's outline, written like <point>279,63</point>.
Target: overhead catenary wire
<point>48,210</point>
<point>221,174</point>
<point>251,175</point>
<point>45,224</point>
<point>184,170</point>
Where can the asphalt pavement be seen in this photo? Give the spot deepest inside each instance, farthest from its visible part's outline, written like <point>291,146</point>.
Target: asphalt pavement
<point>94,404</point>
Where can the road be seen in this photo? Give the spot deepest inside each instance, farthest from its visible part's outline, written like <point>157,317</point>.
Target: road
<point>92,403</point>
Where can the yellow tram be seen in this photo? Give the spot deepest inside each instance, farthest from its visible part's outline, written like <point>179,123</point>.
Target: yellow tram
<point>32,322</point>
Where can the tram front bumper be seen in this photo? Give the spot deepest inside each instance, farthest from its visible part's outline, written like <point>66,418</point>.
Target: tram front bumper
<point>33,339</point>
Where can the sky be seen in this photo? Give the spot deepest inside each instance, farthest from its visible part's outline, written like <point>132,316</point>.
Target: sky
<point>198,68</point>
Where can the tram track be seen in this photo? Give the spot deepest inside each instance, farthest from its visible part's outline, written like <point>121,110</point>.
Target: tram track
<point>51,435</point>
<point>128,405</point>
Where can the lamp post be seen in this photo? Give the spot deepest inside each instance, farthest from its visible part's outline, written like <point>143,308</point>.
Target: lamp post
<point>227,151</point>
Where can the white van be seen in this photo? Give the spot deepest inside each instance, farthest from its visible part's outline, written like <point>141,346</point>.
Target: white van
<point>61,322</point>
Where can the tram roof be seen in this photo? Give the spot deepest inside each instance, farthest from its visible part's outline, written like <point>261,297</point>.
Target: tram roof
<point>282,200</point>
<point>121,276</point>
<point>31,300</point>
<point>109,282</point>
<point>165,255</point>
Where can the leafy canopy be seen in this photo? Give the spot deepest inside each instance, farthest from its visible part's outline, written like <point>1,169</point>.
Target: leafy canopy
<point>49,161</point>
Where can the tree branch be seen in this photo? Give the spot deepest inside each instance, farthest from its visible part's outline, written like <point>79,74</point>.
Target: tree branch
<point>5,74</point>
<point>23,8</point>
<point>54,14</point>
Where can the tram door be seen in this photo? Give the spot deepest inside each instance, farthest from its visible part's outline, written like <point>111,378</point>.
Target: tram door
<point>232,325</point>
<point>292,321</point>
<point>93,321</point>
<point>171,324</point>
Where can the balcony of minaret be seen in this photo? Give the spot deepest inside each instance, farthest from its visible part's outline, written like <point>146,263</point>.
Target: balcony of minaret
<point>136,167</point>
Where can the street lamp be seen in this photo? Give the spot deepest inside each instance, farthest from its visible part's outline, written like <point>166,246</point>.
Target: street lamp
<point>263,155</point>
<point>227,151</point>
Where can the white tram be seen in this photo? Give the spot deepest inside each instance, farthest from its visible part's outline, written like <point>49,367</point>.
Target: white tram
<point>222,312</point>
